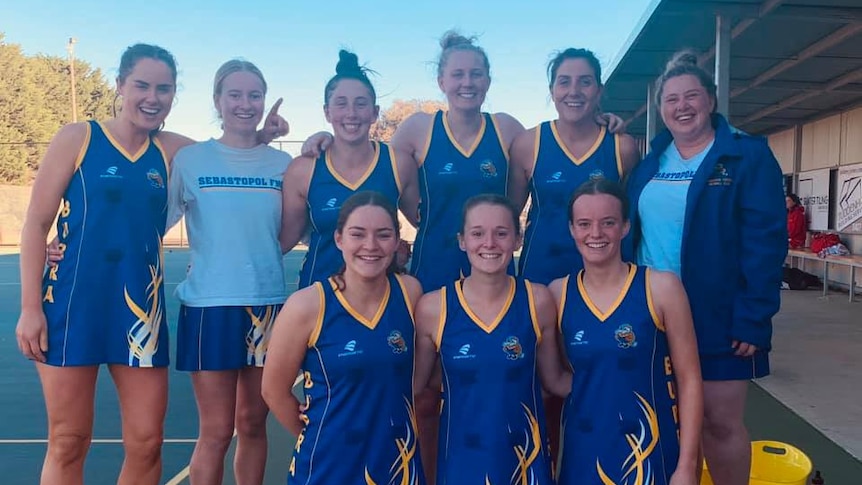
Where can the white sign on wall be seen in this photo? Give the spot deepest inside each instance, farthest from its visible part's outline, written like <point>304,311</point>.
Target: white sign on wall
<point>849,203</point>
<point>813,192</point>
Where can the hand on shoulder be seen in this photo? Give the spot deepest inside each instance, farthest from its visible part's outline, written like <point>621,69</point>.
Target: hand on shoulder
<point>172,143</point>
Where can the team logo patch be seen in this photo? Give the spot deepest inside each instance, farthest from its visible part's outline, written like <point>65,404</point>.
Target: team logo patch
<point>719,176</point>
<point>597,174</point>
<point>155,179</point>
<point>625,336</point>
<point>489,170</point>
<point>512,348</point>
<point>396,341</point>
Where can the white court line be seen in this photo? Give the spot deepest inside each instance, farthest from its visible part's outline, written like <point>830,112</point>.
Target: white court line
<point>184,473</point>
<point>97,441</point>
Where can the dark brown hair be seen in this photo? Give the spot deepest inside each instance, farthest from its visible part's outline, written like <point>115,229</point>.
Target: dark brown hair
<point>348,68</point>
<point>573,53</point>
<point>355,201</point>
<point>491,199</point>
<point>130,59</point>
<point>600,185</point>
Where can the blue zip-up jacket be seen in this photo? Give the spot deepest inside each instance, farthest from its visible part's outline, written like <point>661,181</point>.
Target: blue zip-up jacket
<point>734,238</point>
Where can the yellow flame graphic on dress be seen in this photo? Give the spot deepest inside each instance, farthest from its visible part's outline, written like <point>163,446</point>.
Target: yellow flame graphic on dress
<point>527,453</point>
<point>403,469</point>
<point>637,459</point>
<point>257,338</point>
<point>143,336</point>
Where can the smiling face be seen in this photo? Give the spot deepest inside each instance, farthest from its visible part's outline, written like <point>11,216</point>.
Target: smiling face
<point>240,103</point>
<point>576,91</point>
<point>368,241</point>
<point>464,79</point>
<point>489,237</point>
<point>351,111</point>
<point>148,93</point>
<point>598,227</point>
<point>686,107</point>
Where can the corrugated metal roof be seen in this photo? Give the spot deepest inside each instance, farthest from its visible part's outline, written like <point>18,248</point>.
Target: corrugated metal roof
<point>791,61</point>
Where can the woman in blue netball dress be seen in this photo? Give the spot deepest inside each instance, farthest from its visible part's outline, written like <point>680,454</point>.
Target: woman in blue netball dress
<point>632,415</point>
<point>550,161</point>
<point>495,338</point>
<point>104,303</point>
<point>352,335</point>
<point>315,188</point>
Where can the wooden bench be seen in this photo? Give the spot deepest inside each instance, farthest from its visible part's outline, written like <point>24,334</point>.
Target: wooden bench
<point>851,261</point>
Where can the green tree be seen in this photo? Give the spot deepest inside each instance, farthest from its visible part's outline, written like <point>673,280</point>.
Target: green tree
<point>35,97</point>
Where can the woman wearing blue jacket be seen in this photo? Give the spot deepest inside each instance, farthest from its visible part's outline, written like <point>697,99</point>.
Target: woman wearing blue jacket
<point>708,205</point>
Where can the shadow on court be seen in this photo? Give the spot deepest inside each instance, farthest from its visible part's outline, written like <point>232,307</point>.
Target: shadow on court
<point>23,426</point>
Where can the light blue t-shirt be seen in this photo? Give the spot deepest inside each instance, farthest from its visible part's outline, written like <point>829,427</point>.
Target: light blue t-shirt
<point>662,210</point>
<point>231,198</point>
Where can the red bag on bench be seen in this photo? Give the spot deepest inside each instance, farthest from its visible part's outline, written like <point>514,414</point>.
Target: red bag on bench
<point>823,240</point>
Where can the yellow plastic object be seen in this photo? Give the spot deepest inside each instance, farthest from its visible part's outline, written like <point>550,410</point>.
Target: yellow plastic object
<point>774,463</point>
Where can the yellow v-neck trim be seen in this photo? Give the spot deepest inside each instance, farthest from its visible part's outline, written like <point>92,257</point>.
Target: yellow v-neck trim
<point>371,324</point>
<point>459,289</point>
<point>620,297</point>
<point>590,152</point>
<point>454,141</point>
<point>116,144</point>
<point>343,181</point>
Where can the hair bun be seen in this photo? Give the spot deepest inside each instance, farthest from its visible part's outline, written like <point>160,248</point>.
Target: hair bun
<point>453,38</point>
<point>348,63</point>
<point>682,58</point>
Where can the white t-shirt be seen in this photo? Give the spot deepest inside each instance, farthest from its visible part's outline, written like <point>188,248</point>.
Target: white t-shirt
<point>231,198</point>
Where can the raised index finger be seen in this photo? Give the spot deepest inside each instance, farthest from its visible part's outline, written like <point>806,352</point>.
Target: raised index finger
<point>274,110</point>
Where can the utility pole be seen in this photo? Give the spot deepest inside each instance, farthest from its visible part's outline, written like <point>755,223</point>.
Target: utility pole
<point>71,48</point>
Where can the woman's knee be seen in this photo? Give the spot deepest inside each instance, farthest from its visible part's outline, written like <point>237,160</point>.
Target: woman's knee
<point>721,426</point>
<point>251,423</point>
<point>215,435</point>
<point>144,448</point>
<point>68,448</point>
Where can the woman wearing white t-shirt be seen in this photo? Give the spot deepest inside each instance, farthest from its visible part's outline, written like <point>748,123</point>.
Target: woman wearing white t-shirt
<point>229,190</point>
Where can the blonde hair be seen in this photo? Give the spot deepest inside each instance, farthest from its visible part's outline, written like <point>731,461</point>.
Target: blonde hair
<point>682,63</point>
<point>232,66</point>
<point>453,41</point>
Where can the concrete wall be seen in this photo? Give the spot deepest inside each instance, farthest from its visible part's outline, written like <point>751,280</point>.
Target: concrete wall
<point>13,207</point>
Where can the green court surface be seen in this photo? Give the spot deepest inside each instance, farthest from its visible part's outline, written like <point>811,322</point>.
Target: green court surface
<point>23,425</point>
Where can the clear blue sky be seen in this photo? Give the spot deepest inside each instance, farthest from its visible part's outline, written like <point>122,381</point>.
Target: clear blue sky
<point>296,45</point>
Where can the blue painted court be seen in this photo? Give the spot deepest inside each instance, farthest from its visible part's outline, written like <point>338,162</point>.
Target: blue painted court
<point>23,422</point>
